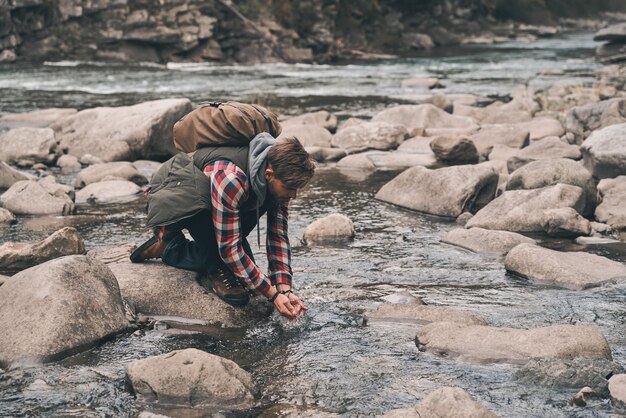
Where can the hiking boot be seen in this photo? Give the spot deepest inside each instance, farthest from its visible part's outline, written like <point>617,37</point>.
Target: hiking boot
<point>153,248</point>
<point>228,288</point>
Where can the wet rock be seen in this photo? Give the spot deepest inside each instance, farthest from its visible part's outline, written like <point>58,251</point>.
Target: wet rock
<point>546,149</point>
<point>322,119</point>
<point>496,113</point>
<point>491,135</point>
<point>120,169</point>
<point>108,192</point>
<point>30,197</point>
<point>604,152</point>
<point>294,411</point>
<point>523,210</point>
<point>34,144</point>
<point>88,159</point>
<point>422,314</point>
<point>10,176</point>
<point>569,373</point>
<point>402,297</point>
<point>68,163</point>
<point>58,308</point>
<point>331,228</point>
<point>35,119</point>
<point>482,240</point>
<point>617,388</point>
<point>445,402</point>
<point>308,135</point>
<point>463,218</point>
<point>565,222</point>
<point>601,228</point>
<point>7,217</point>
<point>484,344</point>
<point>192,378</point>
<point>15,256</point>
<point>612,33</point>
<point>424,83</point>
<point>369,135</point>
<point>154,288</point>
<point>583,120</point>
<point>418,118</point>
<point>542,173</point>
<point>146,167</point>
<point>447,191</point>
<point>583,396</point>
<point>123,133</point>
<point>322,155</point>
<point>571,270</point>
<point>612,210</point>
<point>613,52</point>
<point>454,149</point>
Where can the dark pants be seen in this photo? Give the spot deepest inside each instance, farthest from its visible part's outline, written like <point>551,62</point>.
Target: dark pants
<point>201,254</point>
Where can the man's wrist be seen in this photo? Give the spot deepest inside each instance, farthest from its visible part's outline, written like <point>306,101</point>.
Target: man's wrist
<point>283,287</point>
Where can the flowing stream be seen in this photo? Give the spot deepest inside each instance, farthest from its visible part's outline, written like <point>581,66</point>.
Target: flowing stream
<point>329,360</point>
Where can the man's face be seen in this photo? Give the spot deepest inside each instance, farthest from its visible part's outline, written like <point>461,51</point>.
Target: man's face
<point>277,189</point>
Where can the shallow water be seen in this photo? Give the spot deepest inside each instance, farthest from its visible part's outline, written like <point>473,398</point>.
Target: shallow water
<point>329,359</point>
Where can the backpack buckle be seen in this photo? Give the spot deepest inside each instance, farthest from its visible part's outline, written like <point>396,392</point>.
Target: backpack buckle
<point>215,104</point>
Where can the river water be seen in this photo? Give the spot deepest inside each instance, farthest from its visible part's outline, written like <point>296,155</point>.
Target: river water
<point>329,360</point>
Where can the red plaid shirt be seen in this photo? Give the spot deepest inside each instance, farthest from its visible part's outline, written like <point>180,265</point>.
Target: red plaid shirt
<point>229,190</point>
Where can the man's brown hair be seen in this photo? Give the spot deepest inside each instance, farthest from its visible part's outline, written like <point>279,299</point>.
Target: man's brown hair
<point>291,163</point>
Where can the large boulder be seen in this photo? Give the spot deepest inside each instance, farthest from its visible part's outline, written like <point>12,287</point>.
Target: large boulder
<point>485,344</point>
<point>35,119</point>
<point>617,388</point>
<point>454,149</point>
<point>15,256</point>
<point>58,308</point>
<point>445,402</point>
<point>581,121</point>
<point>154,288</point>
<point>192,378</point>
<point>523,210</point>
<point>612,210</point>
<point>323,154</point>
<point>122,170</point>
<point>542,173</point>
<point>604,152</point>
<point>369,135</point>
<point>572,270</point>
<point>331,228</point>
<point>541,127</point>
<point>378,160</point>
<point>564,222</point>
<point>308,135</point>
<point>419,118</point>
<point>29,197</point>
<point>482,240</point>
<point>123,133</point>
<point>565,373</point>
<point>321,118</point>
<point>108,192</point>
<point>9,176</point>
<point>447,191</point>
<point>490,135</point>
<point>545,149</point>
<point>612,33</point>
<point>421,314</point>
<point>33,144</point>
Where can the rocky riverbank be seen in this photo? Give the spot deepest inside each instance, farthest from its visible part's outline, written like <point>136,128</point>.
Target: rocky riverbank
<point>278,31</point>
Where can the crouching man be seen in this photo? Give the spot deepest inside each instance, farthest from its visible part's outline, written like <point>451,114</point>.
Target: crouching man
<point>218,195</point>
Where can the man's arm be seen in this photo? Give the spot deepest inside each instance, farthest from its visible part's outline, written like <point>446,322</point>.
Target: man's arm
<point>278,247</point>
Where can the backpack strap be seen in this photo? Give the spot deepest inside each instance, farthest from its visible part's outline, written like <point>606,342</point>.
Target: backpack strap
<point>267,120</point>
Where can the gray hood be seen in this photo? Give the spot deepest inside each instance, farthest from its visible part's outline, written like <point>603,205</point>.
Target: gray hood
<point>257,163</point>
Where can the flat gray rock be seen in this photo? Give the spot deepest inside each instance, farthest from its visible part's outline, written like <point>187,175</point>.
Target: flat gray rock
<point>523,210</point>
<point>422,314</point>
<point>547,148</point>
<point>308,135</point>
<point>192,378</point>
<point>482,240</point>
<point>612,210</point>
<point>35,144</point>
<point>154,288</point>
<point>369,135</point>
<point>58,308</point>
<point>15,256</point>
<point>548,172</point>
<point>572,270</point>
<point>125,133</point>
<point>604,152</point>
<point>390,161</point>
<point>108,192</point>
<point>447,191</point>
<point>484,344</point>
<point>30,197</point>
<point>332,228</point>
<point>123,170</point>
